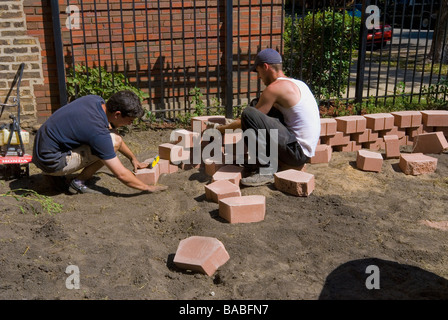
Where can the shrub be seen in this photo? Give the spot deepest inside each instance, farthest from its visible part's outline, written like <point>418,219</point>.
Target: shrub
<point>84,81</point>
<point>318,50</point>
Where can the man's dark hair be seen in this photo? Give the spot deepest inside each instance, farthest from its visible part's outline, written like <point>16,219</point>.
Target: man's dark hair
<point>277,66</point>
<point>127,102</point>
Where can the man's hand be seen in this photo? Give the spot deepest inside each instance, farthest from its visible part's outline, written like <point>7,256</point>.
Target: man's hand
<point>155,189</point>
<point>138,165</point>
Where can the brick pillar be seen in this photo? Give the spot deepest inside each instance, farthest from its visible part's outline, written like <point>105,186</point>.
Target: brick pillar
<point>16,46</point>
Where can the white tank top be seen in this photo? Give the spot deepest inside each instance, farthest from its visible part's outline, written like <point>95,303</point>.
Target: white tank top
<point>303,119</point>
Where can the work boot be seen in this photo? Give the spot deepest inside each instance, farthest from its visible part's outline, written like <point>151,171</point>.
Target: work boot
<point>76,188</point>
<point>257,179</point>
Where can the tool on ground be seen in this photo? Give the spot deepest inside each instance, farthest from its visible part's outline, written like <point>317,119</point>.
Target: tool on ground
<point>154,162</point>
<point>13,159</point>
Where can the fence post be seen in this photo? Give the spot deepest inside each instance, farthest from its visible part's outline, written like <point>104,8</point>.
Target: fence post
<point>59,51</point>
<point>361,55</point>
<point>229,59</point>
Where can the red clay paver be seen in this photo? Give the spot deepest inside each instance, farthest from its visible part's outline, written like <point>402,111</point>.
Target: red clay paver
<point>435,118</point>
<point>375,145</point>
<point>221,189</point>
<point>174,153</point>
<point>328,127</point>
<point>201,254</point>
<point>243,209</point>
<point>200,121</point>
<point>211,167</point>
<point>417,163</point>
<point>366,136</point>
<point>351,124</point>
<point>379,121</point>
<point>433,142</point>
<point>229,172</point>
<point>369,161</point>
<point>392,146</point>
<point>322,154</point>
<point>351,146</point>
<point>407,119</point>
<point>339,139</point>
<point>148,176</point>
<point>185,138</point>
<point>297,183</point>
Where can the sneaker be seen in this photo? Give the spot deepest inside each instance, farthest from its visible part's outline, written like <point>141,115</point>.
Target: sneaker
<point>257,179</point>
<point>75,188</point>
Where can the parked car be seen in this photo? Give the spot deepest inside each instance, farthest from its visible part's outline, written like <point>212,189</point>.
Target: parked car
<point>375,37</point>
<point>379,37</point>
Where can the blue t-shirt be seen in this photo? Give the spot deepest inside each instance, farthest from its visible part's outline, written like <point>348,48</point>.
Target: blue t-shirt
<point>81,122</point>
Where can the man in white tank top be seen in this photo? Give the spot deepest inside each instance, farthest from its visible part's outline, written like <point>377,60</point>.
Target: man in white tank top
<point>286,106</point>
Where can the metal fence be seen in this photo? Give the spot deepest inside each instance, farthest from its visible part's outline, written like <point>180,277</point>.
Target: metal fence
<point>168,48</point>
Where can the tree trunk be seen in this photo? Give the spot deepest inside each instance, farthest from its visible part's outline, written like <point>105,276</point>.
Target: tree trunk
<point>439,46</point>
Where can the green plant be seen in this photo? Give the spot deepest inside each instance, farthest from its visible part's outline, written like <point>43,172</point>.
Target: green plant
<point>30,198</point>
<point>82,81</point>
<point>198,107</point>
<point>330,36</point>
<point>436,94</point>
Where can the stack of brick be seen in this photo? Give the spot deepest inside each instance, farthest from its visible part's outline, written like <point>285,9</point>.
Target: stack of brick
<point>380,131</point>
<point>372,131</point>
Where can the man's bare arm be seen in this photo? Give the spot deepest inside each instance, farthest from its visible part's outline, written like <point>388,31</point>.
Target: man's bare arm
<point>127,177</point>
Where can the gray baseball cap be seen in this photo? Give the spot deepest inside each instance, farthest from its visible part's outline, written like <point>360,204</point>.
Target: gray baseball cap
<point>269,56</point>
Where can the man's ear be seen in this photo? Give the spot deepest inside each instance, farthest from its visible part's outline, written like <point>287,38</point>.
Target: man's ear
<point>116,114</point>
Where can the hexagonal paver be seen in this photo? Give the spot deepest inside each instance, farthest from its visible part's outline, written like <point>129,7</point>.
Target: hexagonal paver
<point>201,254</point>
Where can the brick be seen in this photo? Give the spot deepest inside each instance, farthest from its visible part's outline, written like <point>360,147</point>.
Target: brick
<point>221,189</point>
<point>185,138</point>
<point>164,166</point>
<point>351,124</point>
<point>392,146</point>
<point>443,129</point>
<point>328,127</point>
<point>367,136</point>
<point>174,153</point>
<point>417,163</point>
<point>434,142</point>
<point>297,183</point>
<point>351,146</point>
<point>369,161</point>
<point>211,167</point>
<point>395,131</point>
<point>199,121</point>
<point>322,154</point>
<point>339,139</point>
<point>229,172</point>
<point>148,176</point>
<point>244,209</point>
<point>374,145</point>
<point>379,121</point>
<point>201,254</point>
<point>435,118</point>
<point>407,119</point>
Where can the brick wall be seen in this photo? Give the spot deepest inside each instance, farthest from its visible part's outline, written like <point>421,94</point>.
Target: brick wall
<point>17,46</point>
<point>184,52</point>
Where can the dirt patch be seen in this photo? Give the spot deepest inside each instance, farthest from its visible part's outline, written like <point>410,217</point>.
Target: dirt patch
<point>315,247</point>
